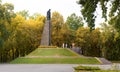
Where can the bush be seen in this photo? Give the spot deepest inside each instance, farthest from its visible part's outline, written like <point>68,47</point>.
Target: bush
<point>86,68</point>
<point>47,47</point>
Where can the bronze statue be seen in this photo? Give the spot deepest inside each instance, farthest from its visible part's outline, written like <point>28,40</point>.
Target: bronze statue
<point>48,14</point>
<point>46,36</point>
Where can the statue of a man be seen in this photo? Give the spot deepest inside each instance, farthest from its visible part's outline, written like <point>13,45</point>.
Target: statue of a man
<point>48,14</point>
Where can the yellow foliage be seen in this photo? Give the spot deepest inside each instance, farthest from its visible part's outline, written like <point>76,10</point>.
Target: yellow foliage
<point>47,47</point>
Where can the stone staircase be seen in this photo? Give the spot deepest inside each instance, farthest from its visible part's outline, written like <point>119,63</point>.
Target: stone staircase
<point>104,61</point>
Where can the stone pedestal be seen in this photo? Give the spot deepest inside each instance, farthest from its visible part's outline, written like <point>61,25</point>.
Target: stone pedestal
<point>46,35</point>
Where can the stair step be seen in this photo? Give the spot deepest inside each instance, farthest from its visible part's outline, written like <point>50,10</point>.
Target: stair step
<point>105,61</point>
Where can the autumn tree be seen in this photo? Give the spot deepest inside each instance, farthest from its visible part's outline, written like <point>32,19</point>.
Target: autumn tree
<point>67,35</point>
<point>6,14</point>
<point>57,21</point>
<point>88,41</point>
<point>18,35</point>
<point>111,14</point>
<point>110,42</point>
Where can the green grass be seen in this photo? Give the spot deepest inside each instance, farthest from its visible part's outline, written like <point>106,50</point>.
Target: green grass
<point>86,68</point>
<point>54,56</point>
<point>107,71</point>
<point>91,69</point>
<point>52,52</point>
<point>55,61</point>
<point>99,71</point>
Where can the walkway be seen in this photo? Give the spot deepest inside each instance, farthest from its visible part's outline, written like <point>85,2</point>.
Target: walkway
<point>37,67</point>
<point>46,67</point>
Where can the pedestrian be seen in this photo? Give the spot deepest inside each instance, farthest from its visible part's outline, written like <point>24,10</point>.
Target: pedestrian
<point>66,45</point>
<point>63,45</point>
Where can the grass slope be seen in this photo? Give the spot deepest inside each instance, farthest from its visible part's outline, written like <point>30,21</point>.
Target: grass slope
<point>52,52</point>
<point>107,71</point>
<point>64,56</point>
<point>55,61</point>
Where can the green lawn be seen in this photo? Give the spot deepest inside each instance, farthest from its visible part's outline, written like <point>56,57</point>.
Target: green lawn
<point>52,52</point>
<point>107,71</point>
<point>99,71</point>
<point>91,69</point>
<point>54,56</point>
<point>55,61</point>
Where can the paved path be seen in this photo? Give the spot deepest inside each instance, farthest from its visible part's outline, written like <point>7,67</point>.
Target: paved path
<point>46,67</point>
<point>37,67</point>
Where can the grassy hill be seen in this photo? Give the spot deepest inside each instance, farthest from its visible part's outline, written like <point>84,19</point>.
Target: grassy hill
<point>54,56</point>
<point>52,52</point>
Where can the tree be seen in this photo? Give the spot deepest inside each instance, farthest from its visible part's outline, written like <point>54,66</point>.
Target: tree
<point>88,41</point>
<point>57,21</point>
<point>6,14</point>
<point>82,34</point>
<point>24,13</point>
<point>111,33</point>
<point>34,16</point>
<point>110,42</point>
<point>74,22</point>
<point>18,36</point>
<point>67,35</point>
<point>89,7</point>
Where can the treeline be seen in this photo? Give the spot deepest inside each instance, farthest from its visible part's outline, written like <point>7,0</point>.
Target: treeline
<point>104,42</point>
<point>21,33</point>
<point>110,35</point>
<point>100,42</point>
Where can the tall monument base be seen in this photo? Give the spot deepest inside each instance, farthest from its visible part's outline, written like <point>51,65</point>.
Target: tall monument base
<point>46,35</point>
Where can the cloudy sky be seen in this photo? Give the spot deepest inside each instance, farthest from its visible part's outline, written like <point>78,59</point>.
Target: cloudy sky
<point>64,7</point>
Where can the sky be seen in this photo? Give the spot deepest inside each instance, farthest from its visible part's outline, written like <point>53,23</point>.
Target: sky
<point>64,7</point>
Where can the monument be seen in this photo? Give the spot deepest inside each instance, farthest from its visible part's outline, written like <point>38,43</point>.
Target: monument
<point>46,35</point>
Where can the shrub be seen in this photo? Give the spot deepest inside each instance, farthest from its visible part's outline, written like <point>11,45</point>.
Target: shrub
<point>86,68</point>
<point>47,47</point>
